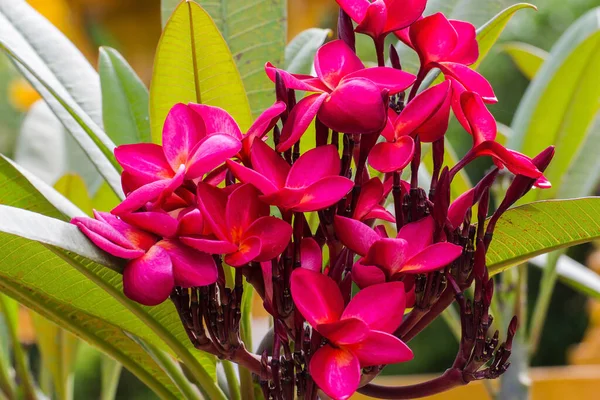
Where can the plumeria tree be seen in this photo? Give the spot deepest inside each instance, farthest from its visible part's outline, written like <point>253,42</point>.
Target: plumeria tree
<point>318,204</point>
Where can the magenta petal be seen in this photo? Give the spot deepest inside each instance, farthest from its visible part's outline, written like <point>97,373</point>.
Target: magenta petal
<point>145,161</point>
<point>394,80</point>
<point>348,331</point>
<point>140,197</point>
<point>432,258</point>
<point>335,371</point>
<point>274,235</point>
<point>380,348</point>
<point>324,193</point>
<point>381,306</point>
<point>481,122</point>
<point>392,157</point>
<point>107,238</point>
<point>243,208</point>
<point>312,166</point>
<point>367,275</point>
<point>355,235</point>
<point>216,120</point>
<point>210,153</point>
<point>516,163</point>
<point>190,267</point>
<point>370,196</point>
<point>347,107</point>
<point>436,126</point>
<point>248,250</point>
<point>373,24</point>
<point>389,254</point>
<point>212,202</point>
<point>181,132</point>
<point>317,297</point>
<point>418,235</point>
<point>311,255</point>
<point>247,175</point>
<point>299,120</point>
<point>334,61</point>
<point>209,245</point>
<point>291,81</point>
<point>356,9</point>
<point>139,238</point>
<point>459,207</point>
<point>149,280</point>
<point>267,120</point>
<point>434,38</point>
<point>190,222</point>
<point>421,109</point>
<point>467,49</point>
<point>159,223</point>
<point>403,13</point>
<point>269,164</point>
<point>472,80</point>
<point>285,198</point>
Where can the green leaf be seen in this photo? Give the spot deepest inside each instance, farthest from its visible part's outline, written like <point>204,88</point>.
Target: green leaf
<point>73,188</point>
<point>193,64</point>
<point>124,100</point>
<point>256,32</point>
<point>538,228</point>
<point>111,373</point>
<point>527,58</point>
<point>574,274</point>
<point>58,350</point>
<point>562,101</point>
<point>300,52</point>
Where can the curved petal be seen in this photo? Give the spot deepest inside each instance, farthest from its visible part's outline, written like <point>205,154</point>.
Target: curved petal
<point>269,164</point>
<point>373,23</point>
<point>459,207</point>
<point>421,109</point>
<point>402,13</point>
<point>324,193</point>
<point>516,163</point>
<point>389,254</point>
<point>434,257</point>
<point>267,120</point>
<point>472,80</point>
<point>391,157</point>
<point>434,38</point>
<point>149,280</point>
<point>107,238</point>
<point>317,297</point>
<point>381,306</point>
<point>145,161</point>
<point>436,126</point>
<point>299,120</point>
<point>367,275</point>
<point>379,212</point>
<point>248,251</point>
<point>348,331</point>
<point>191,268</point>
<point>467,49</point>
<point>312,166</point>
<point>481,122</point>
<point>380,348</point>
<point>370,196</point>
<point>335,371</point>
<point>139,238</point>
<point>296,82</point>
<point>216,120</point>
<point>212,202</point>
<point>274,235</point>
<point>356,9</point>
<point>394,80</point>
<point>418,235</point>
<point>243,208</point>
<point>247,175</point>
<point>354,234</point>
<point>141,196</point>
<point>210,153</point>
<point>210,245</point>
<point>285,198</point>
<point>182,130</point>
<point>334,61</point>
<point>190,222</point>
<point>311,255</point>
<point>159,223</point>
<point>355,107</point>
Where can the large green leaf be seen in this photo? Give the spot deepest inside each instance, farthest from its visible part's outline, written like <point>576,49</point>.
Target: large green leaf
<point>476,12</point>
<point>124,100</point>
<point>300,52</point>
<point>194,64</point>
<point>255,31</point>
<point>529,59</point>
<point>562,101</point>
<point>538,228</point>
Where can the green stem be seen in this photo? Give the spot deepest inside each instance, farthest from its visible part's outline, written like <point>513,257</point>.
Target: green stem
<point>246,382</point>
<point>111,373</point>
<point>543,301</point>
<point>7,385</point>
<point>232,380</point>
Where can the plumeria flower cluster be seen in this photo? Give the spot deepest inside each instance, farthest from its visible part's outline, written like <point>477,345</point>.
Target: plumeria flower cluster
<point>310,208</point>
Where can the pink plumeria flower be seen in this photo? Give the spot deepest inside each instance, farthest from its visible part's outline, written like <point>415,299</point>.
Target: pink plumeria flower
<point>450,46</point>
<point>384,259</point>
<point>155,266</point>
<point>311,184</point>
<point>372,194</point>
<point>358,335</point>
<point>189,151</point>
<point>378,18</point>
<point>483,127</point>
<point>348,96</point>
<point>241,226</point>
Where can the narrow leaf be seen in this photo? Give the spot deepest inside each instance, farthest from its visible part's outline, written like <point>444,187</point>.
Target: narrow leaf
<point>111,373</point>
<point>574,274</point>
<point>300,52</point>
<point>527,58</point>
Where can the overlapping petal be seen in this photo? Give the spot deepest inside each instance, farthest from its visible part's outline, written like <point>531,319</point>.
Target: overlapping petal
<point>149,279</point>
<point>316,296</point>
<point>336,371</point>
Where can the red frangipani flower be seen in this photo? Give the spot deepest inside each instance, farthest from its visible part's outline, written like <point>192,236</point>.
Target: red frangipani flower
<point>372,194</point>
<point>379,17</point>
<point>359,335</point>
<point>189,151</point>
<point>384,259</point>
<point>311,184</point>
<point>241,226</point>
<point>349,96</point>
<point>155,266</point>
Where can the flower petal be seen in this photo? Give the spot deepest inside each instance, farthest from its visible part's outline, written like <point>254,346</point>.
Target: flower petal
<point>403,13</point>
<point>212,202</point>
<point>482,124</point>
<point>243,208</point>
<point>389,254</point>
<point>299,120</point>
<point>392,79</point>
<point>472,80</point>
<point>391,157</point>
<point>159,223</point>
<point>149,280</point>
<point>467,49</point>
<point>269,164</point>
<point>248,251</point>
<point>432,258</point>
<point>311,255</point>
<point>267,120</point>
<point>370,196</point>
<point>107,238</point>
<point>285,198</point>
<point>216,120</point>
<point>210,153</point>
<point>274,235</point>
<point>334,61</point>
<point>335,371</point>
<point>191,268</point>
<point>434,38</point>
<point>356,9</point>
<point>317,297</point>
<point>296,82</point>
<point>373,23</point>
<point>436,126</point>
<point>381,306</point>
<point>312,166</point>
<point>355,107</point>
<point>355,235</point>
<point>182,130</point>
<point>247,175</point>
<point>324,193</point>
<point>380,348</point>
<point>421,109</point>
<point>418,235</point>
<point>459,207</point>
<point>140,197</point>
<point>367,275</point>
<point>210,245</point>
<point>515,162</point>
<point>145,161</point>
<point>348,331</point>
